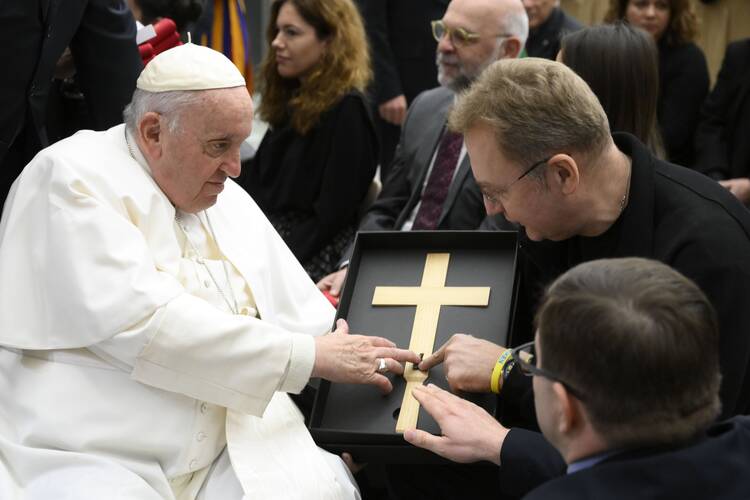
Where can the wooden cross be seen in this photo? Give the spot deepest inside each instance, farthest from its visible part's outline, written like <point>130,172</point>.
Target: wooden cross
<point>428,298</point>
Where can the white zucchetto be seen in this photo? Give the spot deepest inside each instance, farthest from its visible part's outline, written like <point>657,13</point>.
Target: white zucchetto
<point>189,67</point>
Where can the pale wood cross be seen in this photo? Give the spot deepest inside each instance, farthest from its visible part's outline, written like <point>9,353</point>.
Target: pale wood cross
<point>428,298</point>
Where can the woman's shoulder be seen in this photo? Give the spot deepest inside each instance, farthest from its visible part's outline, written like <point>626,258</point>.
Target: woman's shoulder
<point>686,52</point>
<point>352,103</point>
<point>683,60</point>
<point>739,50</point>
<point>352,98</point>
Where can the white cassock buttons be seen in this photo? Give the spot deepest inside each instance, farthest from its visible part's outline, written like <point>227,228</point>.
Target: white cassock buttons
<point>193,464</point>
<point>200,436</point>
<point>204,407</point>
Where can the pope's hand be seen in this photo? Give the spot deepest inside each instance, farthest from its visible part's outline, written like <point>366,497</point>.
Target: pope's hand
<point>468,362</point>
<point>354,359</point>
<point>333,282</point>
<point>469,433</point>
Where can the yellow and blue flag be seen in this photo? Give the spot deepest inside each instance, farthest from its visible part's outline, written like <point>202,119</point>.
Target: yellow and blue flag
<point>227,33</point>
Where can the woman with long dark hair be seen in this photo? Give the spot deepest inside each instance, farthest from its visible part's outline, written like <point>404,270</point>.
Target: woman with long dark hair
<point>619,62</point>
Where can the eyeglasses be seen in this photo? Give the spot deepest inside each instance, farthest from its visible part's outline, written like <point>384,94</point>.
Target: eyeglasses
<point>529,170</point>
<point>458,36</point>
<point>525,357</point>
<point>494,198</point>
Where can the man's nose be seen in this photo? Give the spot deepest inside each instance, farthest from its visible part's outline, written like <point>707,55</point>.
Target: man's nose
<point>232,166</point>
<point>493,207</point>
<point>445,44</point>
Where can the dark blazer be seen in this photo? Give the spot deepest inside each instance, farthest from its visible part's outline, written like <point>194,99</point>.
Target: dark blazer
<point>678,217</point>
<point>33,35</point>
<point>403,58</point>
<point>401,45</point>
<point>714,467</point>
<point>544,41</point>
<point>402,190</point>
<point>683,86</point>
<point>722,148</point>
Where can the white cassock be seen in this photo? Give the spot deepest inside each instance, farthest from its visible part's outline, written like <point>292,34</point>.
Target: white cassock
<point>123,371</point>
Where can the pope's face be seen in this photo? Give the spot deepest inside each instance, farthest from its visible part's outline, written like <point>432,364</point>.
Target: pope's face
<point>204,150</point>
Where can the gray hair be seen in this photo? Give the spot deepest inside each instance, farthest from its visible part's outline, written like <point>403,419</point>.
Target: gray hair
<point>168,104</point>
<point>516,22</point>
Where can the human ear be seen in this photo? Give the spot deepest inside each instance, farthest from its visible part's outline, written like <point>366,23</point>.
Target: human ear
<point>565,173</point>
<point>511,48</point>
<point>568,410</point>
<point>151,134</point>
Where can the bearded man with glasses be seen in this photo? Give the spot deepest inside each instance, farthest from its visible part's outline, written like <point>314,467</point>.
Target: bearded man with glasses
<point>430,185</point>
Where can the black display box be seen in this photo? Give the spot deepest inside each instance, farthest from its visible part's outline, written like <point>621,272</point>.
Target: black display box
<point>357,418</point>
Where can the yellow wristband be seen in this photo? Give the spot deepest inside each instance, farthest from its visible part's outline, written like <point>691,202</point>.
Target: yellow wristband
<point>497,372</point>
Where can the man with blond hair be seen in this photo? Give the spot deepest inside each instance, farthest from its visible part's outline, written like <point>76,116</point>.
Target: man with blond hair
<point>543,156</point>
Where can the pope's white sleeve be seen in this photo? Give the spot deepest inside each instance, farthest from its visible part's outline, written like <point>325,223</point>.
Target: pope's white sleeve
<point>190,347</point>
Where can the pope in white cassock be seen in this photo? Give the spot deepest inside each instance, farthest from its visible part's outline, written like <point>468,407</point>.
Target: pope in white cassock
<point>152,321</point>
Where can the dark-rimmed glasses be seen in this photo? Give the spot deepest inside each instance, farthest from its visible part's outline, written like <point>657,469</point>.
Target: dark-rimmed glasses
<point>459,37</point>
<point>503,191</point>
<point>525,357</point>
<point>528,171</point>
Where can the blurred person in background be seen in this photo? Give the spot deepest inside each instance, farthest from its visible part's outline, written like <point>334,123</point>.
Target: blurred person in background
<point>315,164</point>
<point>683,73</point>
<point>722,149</point>
<point>33,36</point>
<point>547,25</point>
<point>403,62</point>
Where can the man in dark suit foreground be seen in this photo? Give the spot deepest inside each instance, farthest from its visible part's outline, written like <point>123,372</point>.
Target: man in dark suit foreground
<point>626,380</point>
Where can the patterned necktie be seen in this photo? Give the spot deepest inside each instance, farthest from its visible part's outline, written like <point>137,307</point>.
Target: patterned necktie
<point>439,182</point>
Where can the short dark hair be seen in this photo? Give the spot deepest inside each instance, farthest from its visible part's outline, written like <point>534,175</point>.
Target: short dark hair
<point>620,64</point>
<point>640,341</point>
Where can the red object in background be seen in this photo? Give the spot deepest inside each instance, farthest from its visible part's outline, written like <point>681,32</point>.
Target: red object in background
<point>171,40</point>
<point>333,300</point>
<point>147,52</point>
<point>164,37</point>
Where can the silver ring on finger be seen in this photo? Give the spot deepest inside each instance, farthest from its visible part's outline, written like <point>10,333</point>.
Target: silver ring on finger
<point>382,366</point>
